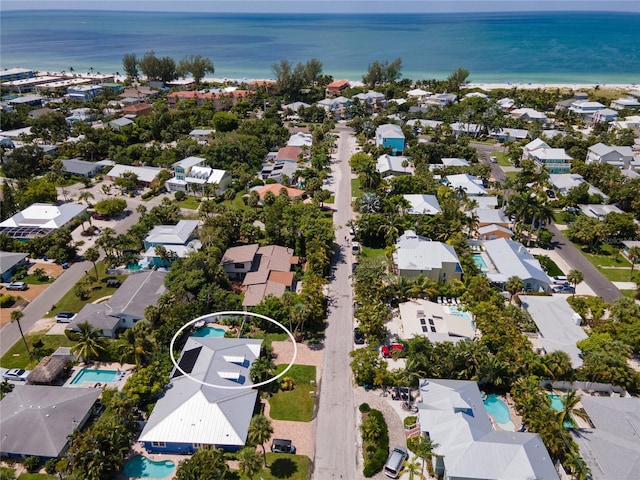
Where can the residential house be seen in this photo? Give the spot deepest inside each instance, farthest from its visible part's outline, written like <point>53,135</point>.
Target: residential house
<point>628,102</point>
<point>40,219</point>
<point>265,271</point>
<point>125,307</point>
<point>389,166</point>
<point>596,210</point>
<point>276,189</point>
<point>509,134</point>
<point>491,216</point>
<point>336,88</point>
<point>9,262</point>
<point>435,321</point>
<point>555,160</point>
<point>138,110</point>
<point>632,122</point>
<point>29,100</point>
<point>419,94</point>
<point>470,129</point>
<point>82,168</point>
<point>493,231</point>
<point>416,256</point>
<point>39,421</point>
<point>627,245</point>
<point>566,104</point>
<point>564,182</point>
<point>506,104</point>
<point>390,135</point>
<point>146,175</point>
<point>585,107</point>
<point>182,167</point>
<point>529,115</point>
<point>485,201</point>
<point>453,415</point>
<point>278,170</point>
<point>620,157</point>
<point>603,115</point>
<point>39,112</point>
<point>201,134</point>
<point>454,162</point>
<point>511,259</point>
<point>611,444</point>
<point>338,107</point>
<point>295,107</point>
<point>421,204</point>
<point>84,93</point>
<point>300,139</point>
<point>419,124</point>
<point>178,240</point>
<point>441,99</point>
<point>468,183</point>
<point>208,408</point>
<point>558,326</point>
<point>372,98</point>
<point>83,114</point>
<point>120,123</point>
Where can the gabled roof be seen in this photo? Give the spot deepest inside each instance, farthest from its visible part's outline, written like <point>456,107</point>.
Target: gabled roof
<point>612,448</point>
<point>241,254</point>
<point>512,259</point>
<point>8,260</point>
<point>414,252</point>
<point>422,204</point>
<point>191,413</point>
<point>455,162</point>
<point>52,412</point>
<point>388,163</point>
<point>121,122</point>
<point>289,153</point>
<point>275,188</point>
<point>558,324</point>
<point>490,215</point>
<point>177,234</point>
<point>453,413</point>
<point>300,139</point>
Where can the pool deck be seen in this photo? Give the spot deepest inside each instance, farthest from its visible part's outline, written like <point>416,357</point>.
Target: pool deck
<point>125,370</point>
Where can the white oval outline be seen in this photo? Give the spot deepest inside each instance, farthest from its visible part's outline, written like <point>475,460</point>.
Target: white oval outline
<point>239,387</point>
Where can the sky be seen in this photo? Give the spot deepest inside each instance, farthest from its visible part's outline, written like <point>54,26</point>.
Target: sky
<point>327,6</point>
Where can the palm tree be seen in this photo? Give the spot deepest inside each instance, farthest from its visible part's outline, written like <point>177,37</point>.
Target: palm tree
<point>634,256</point>
<point>371,429</point>
<point>424,449</point>
<point>578,465</point>
<point>260,431</point>
<point>250,462</point>
<point>568,412</point>
<point>92,254</point>
<point>574,277</point>
<point>16,315</point>
<point>85,196</point>
<point>413,468</point>
<point>261,369</point>
<point>514,285</point>
<point>90,344</point>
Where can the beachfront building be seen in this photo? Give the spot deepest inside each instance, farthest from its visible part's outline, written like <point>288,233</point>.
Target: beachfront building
<point>558,326</point>
<point>389,166</point>
<point>555,160</point>
<point>191,415</point>
<point>391,136</point>
<point>508,259</point>
<point>617,156</point>
<point>40,219</point>
<point>630,103</point>
<point>336,88</point>
<point>453,415</point>
<point>39,421</point>
<point>610,445</point>
<point>84,93</point>
<point>528,115</point>
<point>421,204</point>
<point>125,307</point>
<point>416,256</point>
<point>439,323</point>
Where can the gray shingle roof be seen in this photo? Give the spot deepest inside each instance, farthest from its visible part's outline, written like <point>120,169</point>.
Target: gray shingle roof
<point>9,260</point>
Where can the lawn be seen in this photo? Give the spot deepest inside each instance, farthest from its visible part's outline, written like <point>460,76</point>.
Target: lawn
<point>511,175</point>
<point>72,303</point>
<point>267,338</point>
<point>609,262</point>
<point>280,466</point>
<point>331,199</point>
<point>355,187</point>
<point>191,203</point>
<point>629,294</point>
<point>297,404</point>
<point>238,202</point>
<point>369,252</point>
<point>36,476</point>
<point>551,268</point>
<point>16,356</point>
<point>34,280</point>
<point>503,159</point>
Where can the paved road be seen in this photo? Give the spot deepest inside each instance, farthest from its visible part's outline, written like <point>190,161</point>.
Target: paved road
<point>9,334</point>
<point>336,431</point>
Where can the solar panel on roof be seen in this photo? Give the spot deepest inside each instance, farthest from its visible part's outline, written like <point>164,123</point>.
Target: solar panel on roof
<point>187,361</point>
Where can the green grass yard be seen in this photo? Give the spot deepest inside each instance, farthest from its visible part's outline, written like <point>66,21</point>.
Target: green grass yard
<point>297,404</point>
<point>369,252</point>
<point>191,203</point>
<point>609,261</point>
<point>280,466</point>
<point>503,159</point>
<point>355,187</point>
<point>16,356</point>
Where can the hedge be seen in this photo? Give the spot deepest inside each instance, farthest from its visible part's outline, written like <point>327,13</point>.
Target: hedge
<point>375,455</point>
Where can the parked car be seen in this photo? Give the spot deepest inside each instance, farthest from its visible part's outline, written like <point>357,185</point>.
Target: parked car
<point>551,193</point>
<point>354,266</point>
<point>560,280</point>
<point>358,338</point>
<point>493,159</point>
<point>64,317</point>
<point>387,350</point>
<point>281,445</point>
<point>395,461</point>
<point>563,289</point>
<point>17,286</point>
<point>99,216</point>
<point>16,374</point>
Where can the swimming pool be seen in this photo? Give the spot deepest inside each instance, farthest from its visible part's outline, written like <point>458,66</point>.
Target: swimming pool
<point>482,265</point>
<point>459,312</point>
<point>558,405</point>
<point>497,409</point>
<point>209,332</point>
<point>95,375</point>
<point>141,467</point>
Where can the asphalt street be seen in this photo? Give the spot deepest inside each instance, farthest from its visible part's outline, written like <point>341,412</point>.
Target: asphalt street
<point>336,421</point>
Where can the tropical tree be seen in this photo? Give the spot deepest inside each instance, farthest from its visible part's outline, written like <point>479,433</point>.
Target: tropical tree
<point>85,196</point>
<point>514,285</point>
<point>197,65</point>
<point>423,448</point>
<point>260,431</point>
<point>205,463</point>
<point>577,465</point>
<point>90,344</point>
<point>16,315</point>
<point>371,429</point>
<point>634,256</point>
<point>249,462</point>
<point>413,469</point>
<point>92,254</point>
<point>5,387</point>
<point>568,413</point>
<point>574,277</point>
<point>261,369</point>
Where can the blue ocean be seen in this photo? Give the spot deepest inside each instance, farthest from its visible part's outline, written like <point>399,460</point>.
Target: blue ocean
<point>553,47</point>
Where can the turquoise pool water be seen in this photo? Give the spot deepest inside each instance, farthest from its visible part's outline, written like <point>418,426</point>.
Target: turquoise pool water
<point>497,409</point>
<point>207,332</point>
<point>141,467</point>
<point>133,266</point>
<point>459,312</point>
<point>94,375</point>
<point>557,404</point>
<point>482,265</point>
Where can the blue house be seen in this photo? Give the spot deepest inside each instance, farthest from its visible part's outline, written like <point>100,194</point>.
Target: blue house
<point>191,415</point>
<point>390,135</point>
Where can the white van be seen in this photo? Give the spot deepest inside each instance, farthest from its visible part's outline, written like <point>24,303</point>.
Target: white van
<point>493,159</point>
<point>355,248</point>
<point>396,459</point>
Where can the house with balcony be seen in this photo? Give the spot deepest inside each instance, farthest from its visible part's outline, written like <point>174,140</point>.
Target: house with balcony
<point>620,157</point>
<point>336,88</point>
<point>416,256</point>
<point>177,240</point>
<point>585,107</point>
<point>84,93</point>
<point>372,98</point>
<point>529,115</point>
<point>191,174</point>
<point>391,136</point>
<point>441,100</point>
<point>338,107</point>
<point>555,160</point>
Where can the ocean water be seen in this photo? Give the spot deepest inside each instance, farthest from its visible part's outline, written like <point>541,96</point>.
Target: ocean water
<point>517,47</point>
